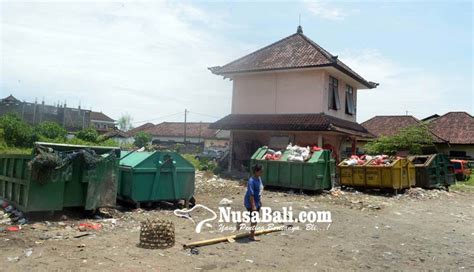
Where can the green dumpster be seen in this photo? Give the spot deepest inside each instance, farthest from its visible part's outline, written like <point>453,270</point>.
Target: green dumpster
<point>81,176</point>
<point>433,171</point>
<point>155,176</point>
<point>317,173</point>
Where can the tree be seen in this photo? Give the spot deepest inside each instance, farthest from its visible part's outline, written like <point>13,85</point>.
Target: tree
<point>125,122</point>
<point>17,132</point>
<point>88,134</point>
<point>412,139</point>
<point>141,139</point>
<point>51,130</point>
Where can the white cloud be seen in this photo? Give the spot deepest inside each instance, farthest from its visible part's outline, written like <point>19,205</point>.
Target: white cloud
<point>324,10</point>
<point>146,58</point>
<point>406,88</point>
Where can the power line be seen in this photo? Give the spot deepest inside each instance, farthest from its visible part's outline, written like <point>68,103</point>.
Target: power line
<point>203,114</point>
<point>157,118</point>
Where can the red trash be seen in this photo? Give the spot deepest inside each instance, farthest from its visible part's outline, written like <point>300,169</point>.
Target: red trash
<point>91,226</point>
<point>13,228</point>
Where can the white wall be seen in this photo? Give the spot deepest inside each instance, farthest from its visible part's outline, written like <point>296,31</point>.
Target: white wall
<point>287,92</point>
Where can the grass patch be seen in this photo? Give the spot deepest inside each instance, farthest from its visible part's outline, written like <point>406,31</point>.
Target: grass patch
<point>464,186</point>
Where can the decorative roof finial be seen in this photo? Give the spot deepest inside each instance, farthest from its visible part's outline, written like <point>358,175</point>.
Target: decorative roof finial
<point>299,30</point>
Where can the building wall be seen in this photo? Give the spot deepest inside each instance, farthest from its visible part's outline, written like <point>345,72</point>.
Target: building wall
<point>287,92</point>
<point>35,113</point>
<point>216,143</point>
<point>469,149</point>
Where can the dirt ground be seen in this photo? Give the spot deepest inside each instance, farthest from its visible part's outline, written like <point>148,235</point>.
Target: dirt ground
<point>419,230</point>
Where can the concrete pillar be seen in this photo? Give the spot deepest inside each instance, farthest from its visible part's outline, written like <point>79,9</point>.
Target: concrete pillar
<point>231,151</point>
<point>354,145</point>
<point>320,140</point>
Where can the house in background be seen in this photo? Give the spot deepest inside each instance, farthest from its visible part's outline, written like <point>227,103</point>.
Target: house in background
<point>101,122</point>
<point>457,128</point>
<point>452,133</point>
<point>197,133</point>
<point>120,137</point>
<point>291,91</point>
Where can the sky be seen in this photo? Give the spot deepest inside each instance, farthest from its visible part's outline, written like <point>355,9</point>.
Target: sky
<point>150,58</point>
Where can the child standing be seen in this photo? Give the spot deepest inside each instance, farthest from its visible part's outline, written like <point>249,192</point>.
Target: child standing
<point>252,200</point>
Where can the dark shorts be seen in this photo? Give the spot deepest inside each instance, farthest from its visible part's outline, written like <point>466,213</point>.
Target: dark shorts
<point>250,209</point>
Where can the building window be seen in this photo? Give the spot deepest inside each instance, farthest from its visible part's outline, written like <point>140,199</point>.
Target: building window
<point>333,94</point>
<point>350,103</point>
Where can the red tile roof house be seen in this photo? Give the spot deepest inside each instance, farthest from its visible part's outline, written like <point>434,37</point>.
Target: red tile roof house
<point>453,133</point>
<point>291,91</point>
<point>196,133</point>
<point>101,122</point>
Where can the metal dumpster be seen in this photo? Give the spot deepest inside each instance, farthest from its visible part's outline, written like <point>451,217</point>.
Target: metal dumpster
<point>155,176</point>
<point>399,174</point>
<point>317,173</point>
<point>86,177</point>
<point>433,171</point>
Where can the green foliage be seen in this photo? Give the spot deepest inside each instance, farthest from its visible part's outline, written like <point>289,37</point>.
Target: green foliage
<point>16,132</point>
<point>203,164</point>
<point>51,130</point>
<point>190,158</point>
<point>142,139</point>
<point>88,135</point>
<point>412,139</point>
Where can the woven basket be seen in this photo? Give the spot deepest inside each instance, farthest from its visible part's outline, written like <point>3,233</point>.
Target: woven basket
<point>156,234</point>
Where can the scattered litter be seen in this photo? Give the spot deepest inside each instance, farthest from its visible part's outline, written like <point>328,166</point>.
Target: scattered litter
<point>13,259</point>
<point>89,226</point>
<point>225,202</point>
<point>194,251</point>
<point>249,261</point>
<point>28,252</point>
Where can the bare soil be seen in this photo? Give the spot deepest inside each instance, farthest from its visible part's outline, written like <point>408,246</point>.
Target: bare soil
<point>420,230</point>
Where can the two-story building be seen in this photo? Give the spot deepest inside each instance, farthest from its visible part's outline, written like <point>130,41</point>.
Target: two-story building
<point>291,91</point>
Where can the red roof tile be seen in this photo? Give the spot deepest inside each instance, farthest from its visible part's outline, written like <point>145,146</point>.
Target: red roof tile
<point>143,127</point>
<point>389,125</point>
<point>295,51</point>
<point>176,129</point>
<point>456,127</point>
<point>99,116</point>
<point>290,122</point>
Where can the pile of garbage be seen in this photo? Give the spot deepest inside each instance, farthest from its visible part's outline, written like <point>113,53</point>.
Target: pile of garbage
<point>420,193</point>
<point>10,217</point>
<point>206,182</point>
<point>295,153</point>
<point>371,160</point>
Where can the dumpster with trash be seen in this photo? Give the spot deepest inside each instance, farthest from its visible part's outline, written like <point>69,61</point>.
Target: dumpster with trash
<point>57,176</point>
<point>155,176</point>
<point>382,172</point>
<point>433,171</point>
<point>296,167</point>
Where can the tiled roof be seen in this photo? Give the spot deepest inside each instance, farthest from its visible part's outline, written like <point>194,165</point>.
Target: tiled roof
<point>176,129</point>
<point>292,52</point>
<point>10,98</point>
<point>99,116</point>
<point>290,122</point>
<point>455,127</point>
<point>116,133</point>
<point>143,127</point>
<point>389,125</point>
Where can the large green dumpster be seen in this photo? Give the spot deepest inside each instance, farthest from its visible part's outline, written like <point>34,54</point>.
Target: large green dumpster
<point>317,173</point>
<point>155,176</point>
<point>84,177</point>
<point>433,171</point>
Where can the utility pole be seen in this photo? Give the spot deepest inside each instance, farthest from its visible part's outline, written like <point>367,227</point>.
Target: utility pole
<point>185,116</point>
